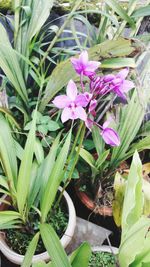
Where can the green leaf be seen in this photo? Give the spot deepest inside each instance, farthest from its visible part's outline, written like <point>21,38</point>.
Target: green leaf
<point>53,126</point>
<point>55,179</point>
<point>30,251</point>
<point>25,168</point>
<point>119,189</point>
<point>120,11</point>
<point>141,12</point>
<point>116,63</point>
<point>53,246</point>
<point>8,217</point>
<point>98,141</point>
<point>44,171</point>
<point>133,201</point>
<point>8,152</point>
<point>10,65</point>
<point>81,256</point>
<point>102,158</point>
<point>128,128</point>
<point>39,152</point>
<point>139,236</point>
<point>87,156</point>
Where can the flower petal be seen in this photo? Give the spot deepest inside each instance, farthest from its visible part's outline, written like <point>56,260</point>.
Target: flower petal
<point>77,65</point>
<point>81,114</point>
<point>127,85</point>
<point>110,137</point>
<point>83,58</point>
<point>66,115</point>
<point>93,105</point>
<point>119,92</point>
<point>91,67</point>
<point>61,101</point>
<point>89,123</point>
<point>81,100</point>
<point>72,90</point>
<point>123,73</point>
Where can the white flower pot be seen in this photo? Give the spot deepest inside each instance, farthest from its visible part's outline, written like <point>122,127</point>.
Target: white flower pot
<point>65,240</point>
<point>105,249</point>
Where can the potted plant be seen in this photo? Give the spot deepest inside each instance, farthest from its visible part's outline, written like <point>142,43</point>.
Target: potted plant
<point>30,189</point>
<point>135,227</point>
<point>98,173</point>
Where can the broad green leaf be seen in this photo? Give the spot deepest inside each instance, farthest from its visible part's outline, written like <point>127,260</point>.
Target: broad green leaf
<point>25,168</point>
<point>8,152</point>
<point>40,264</point>
<point>136,246</point>
<point>53,246</point>
<point>141,12</point>
<point>87,156</point>
<point>133,201</point>
<point>39,183</point>
<point>116,63</point>
<point>119,189</point>
<point>8,218</point>
<point>55,179</point>
<point>39,152</point>
<point>98,141</point>
<point>30,251</point>
<point>81,256</point>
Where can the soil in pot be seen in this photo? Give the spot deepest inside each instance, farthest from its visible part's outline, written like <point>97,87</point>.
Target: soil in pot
<point>19,239</point>
<point>102,259</point>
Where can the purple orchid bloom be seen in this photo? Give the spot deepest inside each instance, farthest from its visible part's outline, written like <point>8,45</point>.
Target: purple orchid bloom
<point>83,66</point>
<point>120,85</point>
<point>109,135</point>
<point>108,83</point>
<point>72,104</point>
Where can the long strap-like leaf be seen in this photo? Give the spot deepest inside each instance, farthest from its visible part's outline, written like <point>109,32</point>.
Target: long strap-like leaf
<point>25,168</point>
<point>53,246</point>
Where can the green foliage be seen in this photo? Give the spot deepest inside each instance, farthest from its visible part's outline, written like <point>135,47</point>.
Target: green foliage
<point>102,259</point>
<point>26,184</point>
<point>135,226</point>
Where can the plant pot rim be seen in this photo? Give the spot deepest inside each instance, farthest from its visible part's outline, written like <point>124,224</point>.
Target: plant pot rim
<point>105,248</point>
<point>65,240</point>
<point>89,203</point>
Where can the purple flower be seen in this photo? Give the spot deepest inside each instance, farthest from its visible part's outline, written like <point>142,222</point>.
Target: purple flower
<point>72,103</point>
<point>112,83</point>
<point>83,66</point>
<point>120,85</point>
<point>109,135</point>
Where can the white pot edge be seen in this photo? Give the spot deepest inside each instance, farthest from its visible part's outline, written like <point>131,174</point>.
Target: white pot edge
<point>65,240</point>
<point>105,249</point>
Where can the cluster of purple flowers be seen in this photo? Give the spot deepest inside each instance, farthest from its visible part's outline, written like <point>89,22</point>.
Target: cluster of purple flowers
<point>77,105</point>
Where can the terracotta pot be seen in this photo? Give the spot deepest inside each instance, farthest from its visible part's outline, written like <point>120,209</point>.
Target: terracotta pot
<point>65,240</point>
<point>89,203</point>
